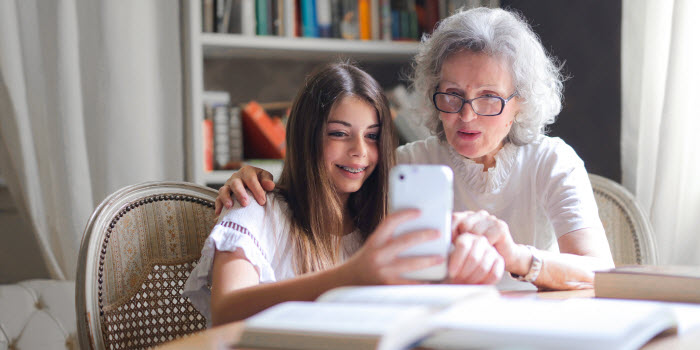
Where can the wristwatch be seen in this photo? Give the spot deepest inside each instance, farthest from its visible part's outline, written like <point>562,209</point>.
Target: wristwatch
<point>535,267</point>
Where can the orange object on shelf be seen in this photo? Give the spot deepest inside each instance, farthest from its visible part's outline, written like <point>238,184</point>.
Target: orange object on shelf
<point>365,19</point>
<point>264,136</point>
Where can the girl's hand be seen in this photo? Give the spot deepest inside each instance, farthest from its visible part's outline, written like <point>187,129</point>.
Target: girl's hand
<point>474,261</point>
<point>496,232</point>
<point>257,180</point>
<point>378,261</point>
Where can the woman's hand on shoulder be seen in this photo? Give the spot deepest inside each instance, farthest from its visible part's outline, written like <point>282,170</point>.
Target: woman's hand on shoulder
<point>378,261</point>
<point>257,180</point>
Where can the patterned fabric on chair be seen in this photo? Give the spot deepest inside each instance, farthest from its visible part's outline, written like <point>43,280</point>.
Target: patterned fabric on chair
<point>138,250</point>
<point>627,227</point>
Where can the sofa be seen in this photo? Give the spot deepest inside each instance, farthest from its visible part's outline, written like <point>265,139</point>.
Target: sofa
<point>38,314</point>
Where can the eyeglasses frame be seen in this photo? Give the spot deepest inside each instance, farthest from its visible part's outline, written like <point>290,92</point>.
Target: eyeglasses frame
<point>469,102</point>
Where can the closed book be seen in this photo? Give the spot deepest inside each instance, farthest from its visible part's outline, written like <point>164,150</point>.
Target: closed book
<point>432,15</point>
<point>208,16</point>
<point>264,137</point>
<point>220,9</point>
<point>273,14</point>
<point>323,18</point>
<point>248,22</point>
<point>395,24</point>
<point>666,283</point>
<point>308,18</point>
<point>221,136</point>
<point>365,19</point>
<point>376,19</point>
<point>289,22</point>
<point>208,144</point>
<point>261,17</point>
<point>235,135</point>
<point>386,19</point>
<point>234,19</point>
<point>225,22</point>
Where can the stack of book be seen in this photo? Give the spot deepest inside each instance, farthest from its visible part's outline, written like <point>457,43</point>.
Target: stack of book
<point>233,133</point>
<point>222,132</point>
<point>347,19</point>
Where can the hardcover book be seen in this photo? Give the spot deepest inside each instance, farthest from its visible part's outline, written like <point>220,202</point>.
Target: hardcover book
<point>666,283</point>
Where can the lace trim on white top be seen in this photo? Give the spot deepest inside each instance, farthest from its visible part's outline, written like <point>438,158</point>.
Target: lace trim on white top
<point>492,180</point>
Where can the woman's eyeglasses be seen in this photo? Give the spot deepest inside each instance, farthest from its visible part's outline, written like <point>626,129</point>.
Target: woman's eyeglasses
<point>488,106</point>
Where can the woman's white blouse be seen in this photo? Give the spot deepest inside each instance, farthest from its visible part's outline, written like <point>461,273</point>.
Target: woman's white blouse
<point>541,190</point>
<point>262,232</point>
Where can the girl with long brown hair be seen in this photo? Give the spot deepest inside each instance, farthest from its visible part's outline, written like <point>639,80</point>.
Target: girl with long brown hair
<point>326,224</point>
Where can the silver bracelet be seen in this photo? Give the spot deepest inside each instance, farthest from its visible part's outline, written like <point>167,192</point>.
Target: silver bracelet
<point>535,267</point>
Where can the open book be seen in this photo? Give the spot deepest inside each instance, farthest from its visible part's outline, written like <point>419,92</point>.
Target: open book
<point>458,317</point>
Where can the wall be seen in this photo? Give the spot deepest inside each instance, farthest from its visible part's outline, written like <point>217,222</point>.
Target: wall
<point>585,34</point>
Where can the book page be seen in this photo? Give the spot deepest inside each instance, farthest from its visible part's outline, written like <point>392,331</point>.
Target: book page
<point>434,295</point>
<point>545,324</point>
<point>336,318</point>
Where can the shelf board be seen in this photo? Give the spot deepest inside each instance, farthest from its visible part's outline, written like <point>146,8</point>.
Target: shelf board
<point>219,177</point>
<point>216,45</point>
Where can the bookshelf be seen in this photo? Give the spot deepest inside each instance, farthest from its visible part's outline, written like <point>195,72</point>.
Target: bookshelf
<point>232,53</point>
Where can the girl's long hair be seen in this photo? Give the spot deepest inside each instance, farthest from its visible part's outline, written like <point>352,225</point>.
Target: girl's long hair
<point>315,209</point>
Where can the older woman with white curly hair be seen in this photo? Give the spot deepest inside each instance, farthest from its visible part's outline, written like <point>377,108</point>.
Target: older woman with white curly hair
<point>489,90</point>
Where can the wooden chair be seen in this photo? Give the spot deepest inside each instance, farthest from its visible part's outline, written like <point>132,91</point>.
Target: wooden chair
<point>138,249</point>
<point>627,227</point>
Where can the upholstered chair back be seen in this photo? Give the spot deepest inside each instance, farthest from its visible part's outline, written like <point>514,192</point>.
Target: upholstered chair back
<point>138,249</point>
<point>627,227</point>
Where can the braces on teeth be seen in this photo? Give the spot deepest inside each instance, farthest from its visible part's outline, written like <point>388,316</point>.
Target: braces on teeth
<point>352,170</point>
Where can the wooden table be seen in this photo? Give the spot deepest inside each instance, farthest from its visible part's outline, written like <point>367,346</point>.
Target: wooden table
<point>222,337</point>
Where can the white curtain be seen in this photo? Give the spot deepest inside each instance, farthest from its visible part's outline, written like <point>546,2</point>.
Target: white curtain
<point>661,120</point>
<point>90,101</point>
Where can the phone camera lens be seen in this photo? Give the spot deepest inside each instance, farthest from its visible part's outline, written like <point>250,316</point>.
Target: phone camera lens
<point>401,177</point>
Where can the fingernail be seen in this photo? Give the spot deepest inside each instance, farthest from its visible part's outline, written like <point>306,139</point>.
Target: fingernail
<point>228,204</point>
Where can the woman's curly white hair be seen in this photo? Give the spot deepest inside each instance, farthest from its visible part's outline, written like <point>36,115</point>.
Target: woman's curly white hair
<point>498,33</point>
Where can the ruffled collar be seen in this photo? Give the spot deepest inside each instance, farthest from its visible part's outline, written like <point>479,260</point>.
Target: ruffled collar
<point>490,181</point>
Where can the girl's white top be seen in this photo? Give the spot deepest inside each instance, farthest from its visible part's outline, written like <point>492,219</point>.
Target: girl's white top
<point>262,232</point>
<point>541,190</point>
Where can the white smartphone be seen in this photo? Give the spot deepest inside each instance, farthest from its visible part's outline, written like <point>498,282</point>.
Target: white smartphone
<point>429,189</point>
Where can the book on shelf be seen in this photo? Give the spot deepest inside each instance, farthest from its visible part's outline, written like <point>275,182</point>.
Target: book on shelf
<point>375,13</point>
<point>454,316</point>
<point>665,283</point>
<point>208,144</point>
<point>264,136</point>
<point>235,135</point>
<point>323,18</point>
<point>348,19</point>
<point>309,23</point>
<point>364,19</point>
<point>208,16</point>
<point>223,132</point>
